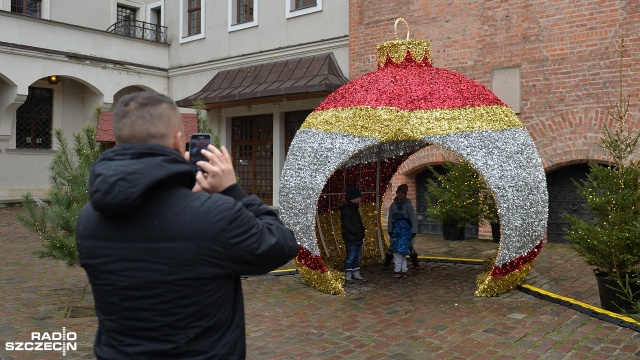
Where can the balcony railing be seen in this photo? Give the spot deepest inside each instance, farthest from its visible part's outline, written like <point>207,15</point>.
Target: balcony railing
<point>140,30</point>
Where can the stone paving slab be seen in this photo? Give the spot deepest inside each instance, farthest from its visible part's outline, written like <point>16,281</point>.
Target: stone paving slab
<point>432,314</point>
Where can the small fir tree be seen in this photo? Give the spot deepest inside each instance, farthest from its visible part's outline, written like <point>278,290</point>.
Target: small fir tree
<point>69,177</point>
<point>453,197</point>
<point>611,240</point>
<point>461,196</point>
<point>203,124</point>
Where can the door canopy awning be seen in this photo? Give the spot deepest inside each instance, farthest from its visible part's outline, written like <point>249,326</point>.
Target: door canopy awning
<point>290,79</point>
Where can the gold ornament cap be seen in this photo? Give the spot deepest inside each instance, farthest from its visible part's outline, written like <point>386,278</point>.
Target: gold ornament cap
<point>397,51</point>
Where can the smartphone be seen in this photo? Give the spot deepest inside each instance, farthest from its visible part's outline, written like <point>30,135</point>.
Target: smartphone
<point>198,142</point>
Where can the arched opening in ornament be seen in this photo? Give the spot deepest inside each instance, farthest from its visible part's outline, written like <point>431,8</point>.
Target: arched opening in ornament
<point>372,179</point>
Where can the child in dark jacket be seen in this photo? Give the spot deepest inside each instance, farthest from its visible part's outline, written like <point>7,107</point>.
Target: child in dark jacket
<point>352,234</point>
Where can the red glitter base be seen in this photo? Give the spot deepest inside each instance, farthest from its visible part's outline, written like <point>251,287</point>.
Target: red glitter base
<point>313,262</point>
<point>519,262</point>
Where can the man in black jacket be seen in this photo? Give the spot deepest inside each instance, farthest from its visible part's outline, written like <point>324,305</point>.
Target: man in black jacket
<point>164,259</point>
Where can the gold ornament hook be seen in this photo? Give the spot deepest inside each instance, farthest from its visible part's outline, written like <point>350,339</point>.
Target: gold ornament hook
<point>395,27</point>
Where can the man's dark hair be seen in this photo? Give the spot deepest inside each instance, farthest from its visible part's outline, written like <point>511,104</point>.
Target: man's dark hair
<point>145,118</point>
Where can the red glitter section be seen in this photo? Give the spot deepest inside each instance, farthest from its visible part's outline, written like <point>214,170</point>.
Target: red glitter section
<point>388,61</point>
<point>410,85</point>
<point>516,264</point>
<point>313,262</point>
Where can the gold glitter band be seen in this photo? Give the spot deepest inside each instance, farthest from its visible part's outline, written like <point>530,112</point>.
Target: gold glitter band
<point>398,49</point>
<point>329,282</point>
<point>392,124</point>
<point>490,286</point>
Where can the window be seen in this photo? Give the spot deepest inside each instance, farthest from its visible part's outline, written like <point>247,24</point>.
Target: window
<point>34,120</point>
<point>242,14</point>
<point>301,4</point>
<point>302,7</point>
<point>31,8</point>
<point>192,20</point>
<point>126,21</point>
<point>244,11</point>
<point>125,13</point>
<point>194,13</point>
<point>155,18</point>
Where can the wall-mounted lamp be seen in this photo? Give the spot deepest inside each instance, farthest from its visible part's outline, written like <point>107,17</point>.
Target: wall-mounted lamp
<point>53,79</point>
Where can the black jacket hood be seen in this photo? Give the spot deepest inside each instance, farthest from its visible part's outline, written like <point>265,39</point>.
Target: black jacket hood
<point>121,176</point>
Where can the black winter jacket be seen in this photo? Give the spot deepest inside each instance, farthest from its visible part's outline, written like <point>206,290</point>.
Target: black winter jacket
<point>351,224</point>
<point>165,263</point>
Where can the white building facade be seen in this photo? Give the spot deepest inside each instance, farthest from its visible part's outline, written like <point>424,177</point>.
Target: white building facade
<point>258,66</point>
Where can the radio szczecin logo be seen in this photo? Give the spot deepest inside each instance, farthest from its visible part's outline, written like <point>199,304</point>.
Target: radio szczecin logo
<point>46,341</point>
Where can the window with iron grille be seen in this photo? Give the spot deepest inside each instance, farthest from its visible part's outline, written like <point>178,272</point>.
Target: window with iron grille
<point>193,17</point>
<point>244,11</point>
<point>252,145</point>
<point>31,8</point>
<point>34,120</point>
<point>126,18</point>
<point>301,4</point>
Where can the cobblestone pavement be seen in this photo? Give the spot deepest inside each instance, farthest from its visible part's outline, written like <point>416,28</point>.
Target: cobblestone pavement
<point>432,314</point>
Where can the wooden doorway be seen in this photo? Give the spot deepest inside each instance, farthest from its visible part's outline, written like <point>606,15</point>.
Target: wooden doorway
<point>252,151</point>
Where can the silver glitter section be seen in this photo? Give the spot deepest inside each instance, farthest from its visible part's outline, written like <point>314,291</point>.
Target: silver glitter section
<point>383,151</point>
<point>507,159</point>
<point>313,156</point>
<point>511,166</point>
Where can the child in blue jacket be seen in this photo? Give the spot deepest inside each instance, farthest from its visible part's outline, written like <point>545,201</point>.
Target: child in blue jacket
<point>402,227</point>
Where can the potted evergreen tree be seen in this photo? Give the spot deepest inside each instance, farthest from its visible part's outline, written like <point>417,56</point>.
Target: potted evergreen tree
<point>611,240</point>
<point>458,197</point>
<point>452,198</point>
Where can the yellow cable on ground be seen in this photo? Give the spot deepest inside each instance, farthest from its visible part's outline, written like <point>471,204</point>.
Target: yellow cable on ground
<point>580,303</point>
<point>451,259</point>
<point>284,270</point>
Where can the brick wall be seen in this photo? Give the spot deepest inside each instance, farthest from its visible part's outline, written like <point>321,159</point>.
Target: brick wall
<point>568,52</point>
